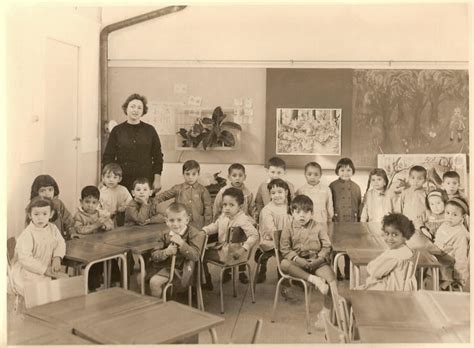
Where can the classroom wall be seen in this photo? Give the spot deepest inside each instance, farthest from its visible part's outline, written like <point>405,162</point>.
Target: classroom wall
<point>27,29</point>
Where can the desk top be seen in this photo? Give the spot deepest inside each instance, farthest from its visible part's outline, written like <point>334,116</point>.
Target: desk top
<point>353,235</point>
<point>361,257</point>
<point>381,334</point>
<point>164,323</point>
<point>33,331</point>
<point>91,308</point>
<point>84,251</point>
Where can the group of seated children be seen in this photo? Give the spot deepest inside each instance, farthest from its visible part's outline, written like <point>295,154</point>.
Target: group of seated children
<point>301,215</point>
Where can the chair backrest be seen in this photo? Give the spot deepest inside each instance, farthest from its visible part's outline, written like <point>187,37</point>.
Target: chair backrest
<point>11,244</point>
<point>276,242</point>
<point>333,333</point>
<point>51,290</point>
<point>256,331</point>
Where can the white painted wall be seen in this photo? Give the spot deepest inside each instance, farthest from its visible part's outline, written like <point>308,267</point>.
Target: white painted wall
<point>27,30</point>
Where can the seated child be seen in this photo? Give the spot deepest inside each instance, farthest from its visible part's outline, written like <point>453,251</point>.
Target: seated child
<point>388,270</point>
<point>182,240</point>
<point>236,179</point>
<point>224,251</point>
<point>452,239</point>
<point>39,248</point>
<point>276,168</point>
<point>114,197</point>
<point>413,199</point>
<point>319,193</point>
<point>273,217</point>
<point>305,246</point>
<point>377,201</point>
<point>192,194</point>
<point>434,215</point>
<point>89,219</point>
<point>45,186</point>
<point>142,210</point>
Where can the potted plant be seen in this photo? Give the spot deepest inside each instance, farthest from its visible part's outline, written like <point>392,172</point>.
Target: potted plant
<point>210,131</point>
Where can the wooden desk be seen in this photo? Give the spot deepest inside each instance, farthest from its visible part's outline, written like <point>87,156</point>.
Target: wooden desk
<point>416,313</point>
<point>361,257</point>
<point>31,331</point>
<point>91,308</point>
<point>168,322</point>
<point>90,253</point>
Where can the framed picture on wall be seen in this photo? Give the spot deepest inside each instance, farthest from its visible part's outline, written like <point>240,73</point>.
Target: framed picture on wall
<point>303,131</point>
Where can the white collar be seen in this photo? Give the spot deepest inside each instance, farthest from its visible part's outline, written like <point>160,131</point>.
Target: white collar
<point>181,233</point>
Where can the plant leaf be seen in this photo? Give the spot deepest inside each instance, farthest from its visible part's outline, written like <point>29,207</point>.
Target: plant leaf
<point>227,138</point>
<point>183,132</point>
<point>218,115</point>
<point>207,120</point>
<point>232,125</point>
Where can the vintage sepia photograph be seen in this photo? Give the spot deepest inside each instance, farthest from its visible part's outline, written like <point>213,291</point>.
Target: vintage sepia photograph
<point>268,173</point>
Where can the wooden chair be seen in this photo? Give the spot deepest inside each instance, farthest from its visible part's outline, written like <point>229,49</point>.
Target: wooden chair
<point>51,290</point>
<point>333,333</point>
<point>307,287</point>
<point>410,275</point>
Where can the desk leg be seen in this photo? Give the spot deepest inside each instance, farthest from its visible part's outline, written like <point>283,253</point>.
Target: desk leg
<point>336,260</point>
<point>86,276</point>
<point>123,257</point>
<point>435,278</point>
<point>422,283</point>
<point>357,276</point>
<point>109,273</point>
<point>141,260</point>
<point>106,274</point>
<point>351,275</point>
<point>213,333</point>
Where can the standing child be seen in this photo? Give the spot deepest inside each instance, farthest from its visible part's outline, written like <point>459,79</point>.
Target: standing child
<point>345,193</point>
<point>452,238</point>
<point>388,270</point>
<point>45,186</point>
<point>434,215</point>
<point>182,240</point>
<point>305,246</point>
<point>142,210</point>
<point>273,217</point>
<point>114,197</point>
<point>192,194</point>
<point>377,201</point>
<point>236,177</point>
<point>276,169</point>
<point>319,193</point>
<point>413,199</point>
<point>232,217</point>
<point>39,248</point>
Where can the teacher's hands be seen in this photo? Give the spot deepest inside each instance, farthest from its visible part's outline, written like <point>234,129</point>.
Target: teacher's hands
<point>157,183</point>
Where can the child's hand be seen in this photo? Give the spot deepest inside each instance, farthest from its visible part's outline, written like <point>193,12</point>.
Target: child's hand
<point>301,262</point>
<point>171,250</point>
<point>238,253</point>
<point>314,264</point>
<point>56,264</point>
<point>139,200</point>
<point>146,222</point>
<point>176,238</point>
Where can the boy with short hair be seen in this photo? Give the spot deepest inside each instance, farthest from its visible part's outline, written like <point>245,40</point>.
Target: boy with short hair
<point>236,176</point>
<point>320,194</point>
<point>114,197</point>
<point>192,194</point>
<point>276,169</point>
<point>142,210</point>
<point>180,239</point>
<point>451,184</point>
<point>413,199</point>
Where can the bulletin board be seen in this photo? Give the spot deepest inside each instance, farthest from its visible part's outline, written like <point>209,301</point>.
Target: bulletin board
<point>308,89</point>
<point>172,93</point>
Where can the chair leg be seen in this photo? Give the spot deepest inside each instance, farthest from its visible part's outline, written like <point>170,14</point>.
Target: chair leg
<point>221,290</point>
<point>190,296</point>
<point>257,270</point>
<point>252,284</point>
<point>306,304</point>
<point>234,281</point>
<point>275,300</point>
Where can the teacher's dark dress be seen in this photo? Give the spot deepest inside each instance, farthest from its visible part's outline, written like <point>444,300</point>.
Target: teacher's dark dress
<point>137,149</point>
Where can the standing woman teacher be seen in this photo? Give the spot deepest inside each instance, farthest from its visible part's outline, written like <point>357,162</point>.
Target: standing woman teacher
<point>135,146</point>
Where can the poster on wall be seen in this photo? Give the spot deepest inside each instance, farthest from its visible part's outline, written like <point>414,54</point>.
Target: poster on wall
<point>408,111</point>
<point>398,166</point>
<point>302,131</point>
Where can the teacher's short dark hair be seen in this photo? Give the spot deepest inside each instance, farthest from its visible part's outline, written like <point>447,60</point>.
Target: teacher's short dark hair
<point>136,96</point>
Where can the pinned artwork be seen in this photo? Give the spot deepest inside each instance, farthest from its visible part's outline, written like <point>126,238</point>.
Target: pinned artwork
<point>308,131</point>
<point>194,101</point>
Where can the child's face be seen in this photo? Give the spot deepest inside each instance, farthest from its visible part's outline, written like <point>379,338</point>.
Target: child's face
<point>453,215</point>
<point>191,176</point>
<point>393,237</point>
<point>111,180</point>
<point>417,179</point>
<point>436,204</point>
<point>345,172</point>
<point>451,185</point>
<point>301,217</point>
<point>237,177</point>
<point>275,172</point>
<point>230,206</point>
<point>46,192</point>
<point>40,216</point>
<point>142,191</point>
<point>313,175</point>
<point>278,195</point>
<point>377,182</point>
<point>177,221</point>
<point>89,204</point>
